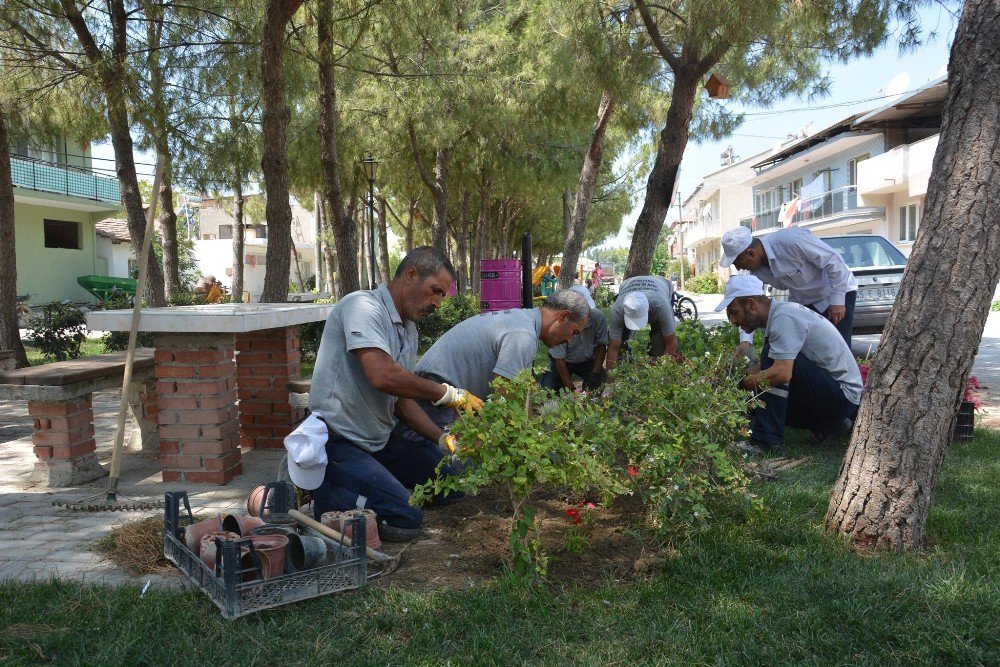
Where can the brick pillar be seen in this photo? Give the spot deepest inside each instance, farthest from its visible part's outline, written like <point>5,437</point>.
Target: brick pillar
<point>266,361</point>
<point>142,400</point>
<point>196,407</point>
<point>64,442</point>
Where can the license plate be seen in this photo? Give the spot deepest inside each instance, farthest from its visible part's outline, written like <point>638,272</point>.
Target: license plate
<point>884,293</point>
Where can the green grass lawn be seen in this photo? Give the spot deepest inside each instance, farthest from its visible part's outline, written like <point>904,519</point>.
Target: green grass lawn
<point>771,588</point>
<point>89,348</point>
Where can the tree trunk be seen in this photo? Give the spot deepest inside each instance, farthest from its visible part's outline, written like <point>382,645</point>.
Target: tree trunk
<point>883,494</point>
<point>341,226</point>
<point>274,162</point>
<point>331,258</point>
<point>239,235</point>
<point>439,225</point>
<point>482,229</point>
<point>410,221</point>
<point>462,241</point>
<point>10,337</point>
<point>585,192</point>
<point>168,227</point>
<point>383,242</point>
<point>660,184</point>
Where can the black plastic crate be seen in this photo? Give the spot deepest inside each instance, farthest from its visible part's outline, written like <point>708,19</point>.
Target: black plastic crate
<point>237,598</point>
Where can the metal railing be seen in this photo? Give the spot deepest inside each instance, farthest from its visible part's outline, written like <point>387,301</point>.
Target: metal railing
<point>842,201</point>
<point>33,174</point>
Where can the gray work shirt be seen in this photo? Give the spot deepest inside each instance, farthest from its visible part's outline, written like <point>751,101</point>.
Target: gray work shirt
<point>340,389</point>
<point>813,273</point>
<point>792,328</point>
<point>661,313</point>
<point>582,347</point>
<point>499,343</point>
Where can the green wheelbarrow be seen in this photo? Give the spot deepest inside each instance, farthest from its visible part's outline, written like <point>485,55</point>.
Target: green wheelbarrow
<point>102,287</point>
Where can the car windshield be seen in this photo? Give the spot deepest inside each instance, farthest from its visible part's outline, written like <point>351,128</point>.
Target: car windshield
<point>865,252</point>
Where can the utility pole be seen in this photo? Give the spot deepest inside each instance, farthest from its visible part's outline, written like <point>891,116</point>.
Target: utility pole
<point>680,225</point>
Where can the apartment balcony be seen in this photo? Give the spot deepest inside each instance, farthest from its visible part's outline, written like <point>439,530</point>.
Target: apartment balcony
<point>703,231</point>
<point>825,208</point>
<point>57,179</point>
<point>904,169</point>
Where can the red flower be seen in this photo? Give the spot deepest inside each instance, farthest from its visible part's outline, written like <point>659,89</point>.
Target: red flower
<point>574,514</point>
<point>864,372</point>
<point>632,470</point>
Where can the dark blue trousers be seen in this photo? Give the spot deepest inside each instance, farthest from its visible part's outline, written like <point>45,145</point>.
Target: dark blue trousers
<point>846,326</point>
<point>582,369</point>
<point>356,479</point>
<point>812,400</point>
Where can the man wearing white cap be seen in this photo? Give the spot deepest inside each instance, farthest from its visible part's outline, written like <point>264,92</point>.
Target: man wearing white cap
<point>582,356</point>
<point>808,376</point>
<point>642,300</point>
<point>361,385</point>
<point>796,260</point>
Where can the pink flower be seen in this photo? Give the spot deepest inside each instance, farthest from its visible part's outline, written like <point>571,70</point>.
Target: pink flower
<point>632,470</point>
<point>591,506</point>
<point>864,372</point>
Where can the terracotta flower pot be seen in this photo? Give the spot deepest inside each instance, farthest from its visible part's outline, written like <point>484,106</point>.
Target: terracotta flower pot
<point>272,529</point>
<point>304,553</point>
<point>254,501</point>
<point>338,521</point>
<point>240,524</point>
<point>194,532</point>
<point>271,551</point>
<point>208,548</point>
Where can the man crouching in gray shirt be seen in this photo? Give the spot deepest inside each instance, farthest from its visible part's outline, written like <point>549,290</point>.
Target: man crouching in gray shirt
<point>808,375</point>
<point>363,382</point>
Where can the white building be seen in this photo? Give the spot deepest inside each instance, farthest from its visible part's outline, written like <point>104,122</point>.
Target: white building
<point>866,174</point>
<point>717,204</point>
<point>214,250</point>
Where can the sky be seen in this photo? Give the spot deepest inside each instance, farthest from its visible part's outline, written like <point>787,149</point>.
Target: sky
<point>884,74</point>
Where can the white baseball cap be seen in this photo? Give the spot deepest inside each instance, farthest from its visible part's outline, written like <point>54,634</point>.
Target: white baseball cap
<point>306,447</point>
<point>636,307</point>
<point>742,284</point>
<point>734,242</point>
<point>586,295</point>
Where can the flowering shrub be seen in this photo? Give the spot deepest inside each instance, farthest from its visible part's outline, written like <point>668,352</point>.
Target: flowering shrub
<point>454,309</point>
<point>527,441</point>
<point>969,394</point>
<point>674,424</point>
<point>664,434</point>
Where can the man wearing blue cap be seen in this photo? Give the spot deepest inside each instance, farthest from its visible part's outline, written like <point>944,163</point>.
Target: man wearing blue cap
<point>796,260</point>
<point>808,377</point>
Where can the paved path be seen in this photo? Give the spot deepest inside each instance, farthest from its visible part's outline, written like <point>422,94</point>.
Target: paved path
<point>38,540</point>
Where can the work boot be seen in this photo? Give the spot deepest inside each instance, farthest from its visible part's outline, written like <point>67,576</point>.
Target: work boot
<point>394,534</point>
<point>830,433</point>
<point>759,448</point>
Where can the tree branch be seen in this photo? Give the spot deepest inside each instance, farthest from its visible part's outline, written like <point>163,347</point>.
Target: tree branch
<point>654,34</point>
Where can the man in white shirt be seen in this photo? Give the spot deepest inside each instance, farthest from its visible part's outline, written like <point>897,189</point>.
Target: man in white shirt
<point>808,376</point>
<point>796,260</point>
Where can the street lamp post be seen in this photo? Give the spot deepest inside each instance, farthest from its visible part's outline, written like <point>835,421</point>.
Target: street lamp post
<point>370,166</point>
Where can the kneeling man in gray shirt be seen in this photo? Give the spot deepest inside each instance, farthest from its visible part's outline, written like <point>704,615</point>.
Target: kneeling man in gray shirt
<point>809,377</point>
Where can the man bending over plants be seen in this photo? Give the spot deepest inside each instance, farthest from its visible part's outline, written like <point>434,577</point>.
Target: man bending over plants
<point>491,345</point>
<point>807,374</point>
<point>362,379</point>
<point>643,300</point>
<point>582,356</point>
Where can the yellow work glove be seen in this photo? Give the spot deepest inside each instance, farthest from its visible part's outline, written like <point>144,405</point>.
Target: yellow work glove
<point>459,399</point>
<point>448,443</point>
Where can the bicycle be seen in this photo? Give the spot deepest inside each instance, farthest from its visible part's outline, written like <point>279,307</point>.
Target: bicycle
<point>684,307</point>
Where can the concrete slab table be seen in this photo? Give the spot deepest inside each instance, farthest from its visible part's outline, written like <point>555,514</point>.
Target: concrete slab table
<point>205,358</point>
